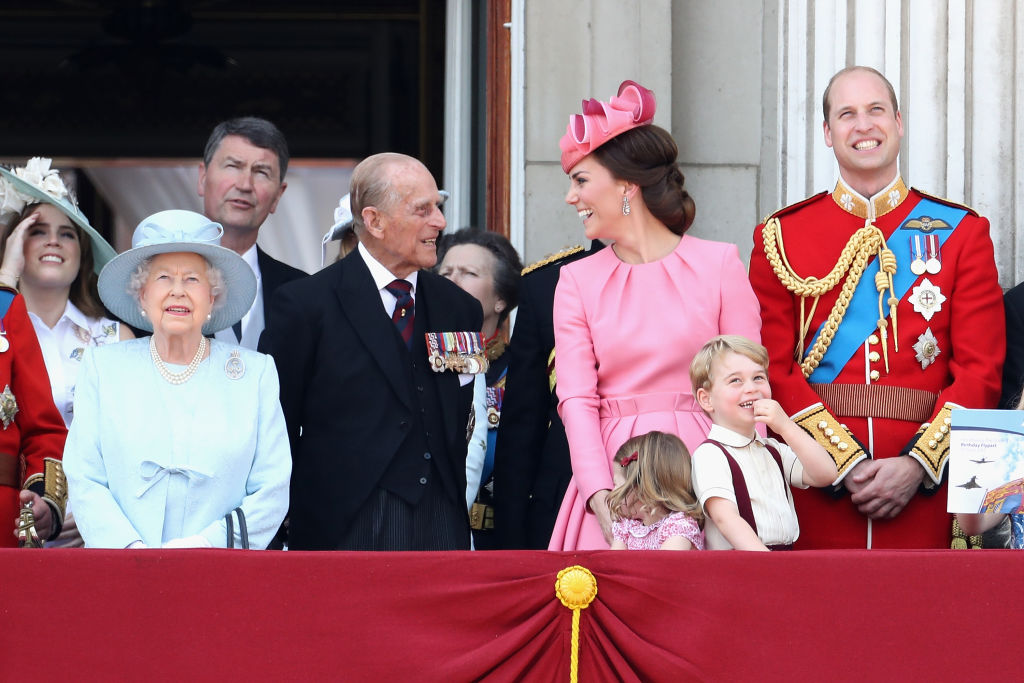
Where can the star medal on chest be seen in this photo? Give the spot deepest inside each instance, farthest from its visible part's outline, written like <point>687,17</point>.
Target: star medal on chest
<point>462,352</point>
<point>926,349</point>
<point>234,368</point>
<point>927,299</point>
<point>8,406</point>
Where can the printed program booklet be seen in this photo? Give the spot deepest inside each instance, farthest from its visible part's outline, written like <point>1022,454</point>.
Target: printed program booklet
<point>986,461</point>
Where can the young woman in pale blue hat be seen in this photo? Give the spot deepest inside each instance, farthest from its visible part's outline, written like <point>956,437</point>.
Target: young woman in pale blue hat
<point>174,432</point>
<point>52,254</point>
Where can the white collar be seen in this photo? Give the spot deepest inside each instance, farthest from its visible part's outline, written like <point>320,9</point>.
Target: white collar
<point>71,313</point>
<point>250,256</point>
<point>382,277</point>
<point>730,438</point>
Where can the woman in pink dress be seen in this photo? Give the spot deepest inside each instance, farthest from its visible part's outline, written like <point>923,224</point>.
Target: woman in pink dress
<point>629,319</point>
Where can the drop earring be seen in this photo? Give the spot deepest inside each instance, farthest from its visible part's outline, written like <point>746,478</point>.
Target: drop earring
<point>625,205</point>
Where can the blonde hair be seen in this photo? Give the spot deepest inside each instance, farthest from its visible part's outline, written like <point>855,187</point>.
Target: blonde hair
<point>660,476</point>
<point>700,368</point>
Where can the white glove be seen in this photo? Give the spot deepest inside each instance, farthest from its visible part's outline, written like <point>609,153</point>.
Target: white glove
<point>196,541</point>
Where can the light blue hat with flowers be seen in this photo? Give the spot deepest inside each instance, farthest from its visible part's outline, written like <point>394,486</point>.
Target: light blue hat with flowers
<point>173,231</point>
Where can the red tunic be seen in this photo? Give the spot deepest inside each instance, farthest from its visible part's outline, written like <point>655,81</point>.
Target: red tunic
<point>37,431</point>
<point>969,331</point>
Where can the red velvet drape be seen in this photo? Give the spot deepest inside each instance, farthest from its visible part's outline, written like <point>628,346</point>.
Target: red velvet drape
<point>452,617</point>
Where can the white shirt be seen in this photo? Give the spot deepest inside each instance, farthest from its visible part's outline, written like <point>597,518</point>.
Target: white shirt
<point>382,277</point>
<point>770,499</point>
<point>63,347</point>
<point>253,321</point>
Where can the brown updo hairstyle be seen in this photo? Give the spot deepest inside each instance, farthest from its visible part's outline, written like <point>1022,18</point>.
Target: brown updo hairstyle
<point>84,293</point>
<point>647,155</point>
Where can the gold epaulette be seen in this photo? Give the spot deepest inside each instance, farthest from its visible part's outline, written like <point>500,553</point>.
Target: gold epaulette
<point>552,258</point>
<point>834,437</point>
<point>947,202</point>
<point>931,447</point>
<point>793,207</point>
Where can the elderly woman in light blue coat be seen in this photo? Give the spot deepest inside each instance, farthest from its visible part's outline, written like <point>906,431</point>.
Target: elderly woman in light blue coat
<point>174,432</point>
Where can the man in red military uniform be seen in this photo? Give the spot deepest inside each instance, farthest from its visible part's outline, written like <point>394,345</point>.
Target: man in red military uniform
<point>32,432</point>
<point>881,311</point>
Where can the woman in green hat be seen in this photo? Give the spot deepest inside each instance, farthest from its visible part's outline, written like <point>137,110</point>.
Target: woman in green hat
<point>52,255</point>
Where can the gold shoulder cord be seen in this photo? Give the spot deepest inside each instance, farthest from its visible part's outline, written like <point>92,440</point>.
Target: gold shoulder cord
<point>864,244</point>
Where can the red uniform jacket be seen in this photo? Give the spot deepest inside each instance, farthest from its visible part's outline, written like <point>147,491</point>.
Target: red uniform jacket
<point>36,431</point>
<point>969,332</point>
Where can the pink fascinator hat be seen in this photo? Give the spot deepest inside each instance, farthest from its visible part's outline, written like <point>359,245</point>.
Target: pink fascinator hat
<point>633,106</point>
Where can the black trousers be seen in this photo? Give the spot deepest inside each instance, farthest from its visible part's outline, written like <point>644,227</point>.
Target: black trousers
<point>388,522</point>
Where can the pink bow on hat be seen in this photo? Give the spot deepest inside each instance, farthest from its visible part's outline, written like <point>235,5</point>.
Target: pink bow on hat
<point>601,121</point>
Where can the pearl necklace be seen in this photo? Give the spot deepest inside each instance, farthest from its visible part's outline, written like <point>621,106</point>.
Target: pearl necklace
<point>177,377</point>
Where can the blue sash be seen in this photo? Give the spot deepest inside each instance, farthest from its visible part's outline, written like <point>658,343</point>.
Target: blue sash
<point>6,299</point>
<point>861,317</point>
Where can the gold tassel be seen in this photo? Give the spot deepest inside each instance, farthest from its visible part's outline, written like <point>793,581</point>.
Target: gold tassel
<point>576,588</point>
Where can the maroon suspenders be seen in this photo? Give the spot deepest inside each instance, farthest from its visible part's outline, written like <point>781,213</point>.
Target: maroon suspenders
<point>739,484</point>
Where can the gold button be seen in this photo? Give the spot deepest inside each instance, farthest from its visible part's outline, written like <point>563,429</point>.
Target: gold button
<point>948,421</point>
<point>940,436</point>
<point>943,429</point>
<point>874,357</point>
<point>834,440</point>
<point>932,444</point>
<point>842,446</point>
<point>822,425</point>
<point>829,431</point>
<point>875,375</point>
<point>873,339</point>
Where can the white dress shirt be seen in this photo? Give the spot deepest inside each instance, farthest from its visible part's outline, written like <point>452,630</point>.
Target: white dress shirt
<point>382,277</point>
<point>63,346</point>
<point>253,321</point>
<point>770,499</point>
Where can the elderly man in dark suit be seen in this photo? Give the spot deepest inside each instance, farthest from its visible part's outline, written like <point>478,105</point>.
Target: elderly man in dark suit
<point>241,180</point>
<point>378,438</point>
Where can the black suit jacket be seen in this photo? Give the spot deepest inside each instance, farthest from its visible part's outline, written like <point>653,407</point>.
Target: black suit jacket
<point>274,273</point>
<point>531,456</point>
<point>347,394</point>
<point>1013,369</point>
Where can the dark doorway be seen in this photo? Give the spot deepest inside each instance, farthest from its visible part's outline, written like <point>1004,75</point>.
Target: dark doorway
<point>150,78</point>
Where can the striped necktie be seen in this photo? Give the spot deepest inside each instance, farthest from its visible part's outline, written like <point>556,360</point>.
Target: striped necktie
<point>404,314</point>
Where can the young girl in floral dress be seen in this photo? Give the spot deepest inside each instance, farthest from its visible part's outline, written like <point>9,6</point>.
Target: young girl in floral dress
<point>653,505</point>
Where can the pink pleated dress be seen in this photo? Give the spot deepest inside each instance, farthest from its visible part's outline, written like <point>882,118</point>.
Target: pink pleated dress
<point>624,337</point>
